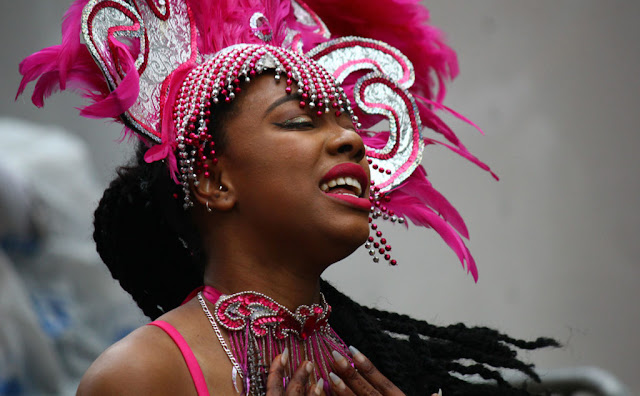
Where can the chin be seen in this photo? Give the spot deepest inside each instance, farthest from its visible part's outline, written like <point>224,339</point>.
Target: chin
<point>349,241</point>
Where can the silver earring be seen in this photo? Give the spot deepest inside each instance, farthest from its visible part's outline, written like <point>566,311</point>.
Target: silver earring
<point>208,208</point>
<point>220,187</point>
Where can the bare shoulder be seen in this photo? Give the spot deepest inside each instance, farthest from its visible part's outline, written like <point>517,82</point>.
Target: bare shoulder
<point>146,362</point>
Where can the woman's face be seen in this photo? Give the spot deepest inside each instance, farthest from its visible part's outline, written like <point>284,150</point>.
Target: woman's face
<point>282,161</point>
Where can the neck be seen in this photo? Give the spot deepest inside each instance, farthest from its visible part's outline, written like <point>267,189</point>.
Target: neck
<point>291,281</point>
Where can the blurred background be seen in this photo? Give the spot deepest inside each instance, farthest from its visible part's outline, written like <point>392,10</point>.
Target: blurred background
<point>556,88</point>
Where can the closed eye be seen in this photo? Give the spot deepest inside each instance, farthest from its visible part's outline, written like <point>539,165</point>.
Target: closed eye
<point>297,123</point>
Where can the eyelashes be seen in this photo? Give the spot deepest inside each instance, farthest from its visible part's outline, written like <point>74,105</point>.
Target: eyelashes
<point>305,122</point>
<point>296,123</point>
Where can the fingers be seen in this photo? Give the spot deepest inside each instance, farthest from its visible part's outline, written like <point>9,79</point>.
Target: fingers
<point>316,389</point>
<point>275,386</point>
<point>363,379</point>
<point>297,385</point>
<point>372,375</point>
<point>346,380</point>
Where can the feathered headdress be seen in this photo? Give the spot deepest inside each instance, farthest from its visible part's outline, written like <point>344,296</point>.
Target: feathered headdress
<point>151,63</point>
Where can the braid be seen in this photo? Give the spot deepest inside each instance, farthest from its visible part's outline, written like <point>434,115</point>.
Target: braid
<point>420,358</point>
<point>145,237</point>
<point>141,232</point>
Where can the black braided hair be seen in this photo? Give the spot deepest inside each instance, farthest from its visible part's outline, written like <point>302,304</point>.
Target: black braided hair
<point>152,248</point>
<point>148,245</point>
<point>420,358</point>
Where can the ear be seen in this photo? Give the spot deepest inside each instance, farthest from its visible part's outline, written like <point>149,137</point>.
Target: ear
<point>215,189</point>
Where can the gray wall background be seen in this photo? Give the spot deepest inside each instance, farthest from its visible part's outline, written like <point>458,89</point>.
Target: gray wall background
<point>555,86</point>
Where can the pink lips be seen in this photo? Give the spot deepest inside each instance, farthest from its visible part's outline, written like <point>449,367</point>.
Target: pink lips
<point>354,171</point>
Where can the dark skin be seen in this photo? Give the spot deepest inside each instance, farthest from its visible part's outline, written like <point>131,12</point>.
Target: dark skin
<point>271,230</point>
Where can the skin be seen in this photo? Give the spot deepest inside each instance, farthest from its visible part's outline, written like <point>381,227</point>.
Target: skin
<point>271,230</point>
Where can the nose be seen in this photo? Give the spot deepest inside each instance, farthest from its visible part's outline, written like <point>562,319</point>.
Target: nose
<point>346,142</point>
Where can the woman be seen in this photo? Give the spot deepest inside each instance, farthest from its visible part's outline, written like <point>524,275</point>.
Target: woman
<point>258,181</point>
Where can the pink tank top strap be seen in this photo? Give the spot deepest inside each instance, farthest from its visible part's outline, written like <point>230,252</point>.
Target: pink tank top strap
<point>189,357</point>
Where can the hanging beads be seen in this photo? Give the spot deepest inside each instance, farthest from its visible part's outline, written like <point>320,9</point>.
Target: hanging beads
<point>376,244</point>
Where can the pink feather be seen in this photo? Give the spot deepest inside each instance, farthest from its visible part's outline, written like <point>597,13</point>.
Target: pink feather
<point>413,209</point>
<point>83,76</point>
<point>464,153</point>
<point>405,27</point>
<point>70,39</point>
<point>418,186</point>
<point>125,95</point>
<point>69,63</point>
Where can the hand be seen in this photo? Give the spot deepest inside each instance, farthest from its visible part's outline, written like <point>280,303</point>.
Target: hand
<point>363,379</point>
<point>298,384</point>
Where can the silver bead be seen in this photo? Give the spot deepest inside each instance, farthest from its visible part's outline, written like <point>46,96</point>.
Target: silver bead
<point>401,220</point>
<point>376,259</point>
<point>367,245</point>
<point>372,252</point>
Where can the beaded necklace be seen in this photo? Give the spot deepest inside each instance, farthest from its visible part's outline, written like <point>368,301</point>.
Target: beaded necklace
<point>259,329</point>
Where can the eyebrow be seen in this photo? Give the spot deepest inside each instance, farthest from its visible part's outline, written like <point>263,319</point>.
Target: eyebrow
<point>287,98</point>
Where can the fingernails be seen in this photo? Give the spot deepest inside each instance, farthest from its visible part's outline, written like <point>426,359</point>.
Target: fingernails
<point>339,359</point>
<point>357,355</point>
<point>439,392</point>
<point>337,381</point>
<point>319,385</point>
<point>308,367</point>
<point>284,357</point>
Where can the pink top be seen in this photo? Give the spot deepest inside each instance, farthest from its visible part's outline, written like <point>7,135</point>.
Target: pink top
<point>192,363</point>
<point>187,354</point>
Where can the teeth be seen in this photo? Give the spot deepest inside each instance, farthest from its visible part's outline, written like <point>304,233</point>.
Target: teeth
<point>343,181</point>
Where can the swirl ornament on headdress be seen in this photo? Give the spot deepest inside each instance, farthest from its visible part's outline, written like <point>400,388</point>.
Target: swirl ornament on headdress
<point>160,66</point>
<point>383,91</point>
<point>163,36</point>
